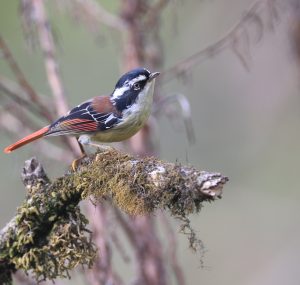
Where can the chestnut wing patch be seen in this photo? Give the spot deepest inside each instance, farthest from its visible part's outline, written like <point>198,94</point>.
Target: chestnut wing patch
<point>85,119</point>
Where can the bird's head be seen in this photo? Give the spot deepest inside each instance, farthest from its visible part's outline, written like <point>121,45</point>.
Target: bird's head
<point>131,85</point>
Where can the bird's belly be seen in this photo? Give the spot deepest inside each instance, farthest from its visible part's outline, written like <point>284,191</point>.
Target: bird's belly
<point>115,135</point>
<point>131,125</point>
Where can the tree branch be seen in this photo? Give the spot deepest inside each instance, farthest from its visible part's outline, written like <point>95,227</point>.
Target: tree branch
<point>33,96</point>
<point>52,67</point>
<point>48,48</point>
<point>48,236</point>
<point>17,94</point>
<point>237,37</point>
<point>93,12</point>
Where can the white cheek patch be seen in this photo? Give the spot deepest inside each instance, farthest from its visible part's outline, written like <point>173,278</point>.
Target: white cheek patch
<point>120,91</point>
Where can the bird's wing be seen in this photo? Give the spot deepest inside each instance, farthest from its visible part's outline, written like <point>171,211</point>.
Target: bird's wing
<point>98,114</point>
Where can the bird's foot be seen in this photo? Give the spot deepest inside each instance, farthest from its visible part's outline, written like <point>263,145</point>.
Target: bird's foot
<point>85,140</point>
<point>77,161</point>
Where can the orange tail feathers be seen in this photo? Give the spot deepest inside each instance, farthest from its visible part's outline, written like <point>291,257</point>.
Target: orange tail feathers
<point>34,136</point>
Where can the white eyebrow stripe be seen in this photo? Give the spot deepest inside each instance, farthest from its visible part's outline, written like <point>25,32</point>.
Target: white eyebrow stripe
<point>137,79</point>
<point>127,84</point>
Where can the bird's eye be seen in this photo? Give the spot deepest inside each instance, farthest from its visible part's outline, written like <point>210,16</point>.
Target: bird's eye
<point>136,86</point>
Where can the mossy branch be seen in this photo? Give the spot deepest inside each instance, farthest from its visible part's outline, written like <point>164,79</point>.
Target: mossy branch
<point>48,236</point>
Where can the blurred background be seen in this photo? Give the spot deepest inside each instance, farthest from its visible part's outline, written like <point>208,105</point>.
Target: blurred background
<point>245,112</point>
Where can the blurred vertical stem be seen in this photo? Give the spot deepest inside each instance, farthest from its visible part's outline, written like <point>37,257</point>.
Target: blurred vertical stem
<point>52,67</point>
<point>150,264</point>
<point>141,47</point>
<point>49,52</point>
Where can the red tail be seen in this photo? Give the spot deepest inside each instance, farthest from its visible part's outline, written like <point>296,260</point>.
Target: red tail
<point>34,136</point>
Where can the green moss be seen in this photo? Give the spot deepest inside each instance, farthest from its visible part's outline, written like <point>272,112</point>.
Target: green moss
<point>67,244</point>
<point>51,235</point>
<point>126,182</point>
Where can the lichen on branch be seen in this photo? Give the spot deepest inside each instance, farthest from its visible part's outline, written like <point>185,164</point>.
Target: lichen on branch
<point>140,186</point>
<point>48,236</point>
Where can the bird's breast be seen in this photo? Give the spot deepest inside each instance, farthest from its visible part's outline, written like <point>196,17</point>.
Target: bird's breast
<point>132,121</point>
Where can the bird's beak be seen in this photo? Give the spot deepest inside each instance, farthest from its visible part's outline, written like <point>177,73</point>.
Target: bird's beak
<point>153,75</point>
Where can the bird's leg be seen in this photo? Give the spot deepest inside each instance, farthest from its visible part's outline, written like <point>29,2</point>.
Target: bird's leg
<point>101,147</point>
<point>85,140</point>
<point>83,155</point>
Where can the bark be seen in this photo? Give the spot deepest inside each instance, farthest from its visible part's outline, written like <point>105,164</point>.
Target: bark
<point>49,235</point>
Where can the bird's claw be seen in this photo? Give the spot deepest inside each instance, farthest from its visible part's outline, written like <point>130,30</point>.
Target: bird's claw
<point>76,162</point>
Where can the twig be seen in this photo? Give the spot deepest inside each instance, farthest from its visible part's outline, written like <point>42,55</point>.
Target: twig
<point>34,97</point>
<point>151,266</point>
<point>119,246</point>
<point>184,113</point>
<point>17,116</point>
<point>19,96</point>
<point>51,64</point>
<point>95,12</point>
<point>228,40</point>
<point>141,234</point>
<point>154,11</point>
<point>128,228</point>
<point>102,271</point>
<point>48,48</point>
<point>172,250</point>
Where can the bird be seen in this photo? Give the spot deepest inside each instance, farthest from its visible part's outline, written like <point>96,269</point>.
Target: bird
<point>104,119</point>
